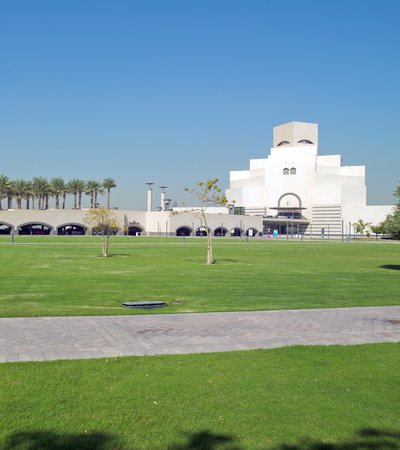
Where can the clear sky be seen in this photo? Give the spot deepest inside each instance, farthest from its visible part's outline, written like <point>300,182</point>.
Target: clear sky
<point>179,91</point>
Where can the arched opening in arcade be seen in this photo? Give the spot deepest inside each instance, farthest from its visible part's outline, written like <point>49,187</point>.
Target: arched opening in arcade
<point>184,231</point>
<point>236,232</point>
<point>98,231</point>
<point>201,231</point>
<point>134,230</point>
<point>251,232</point>
<point>5,228</point>
<point>35,229</point>
<point>220,231</point>
<point>71,229</point>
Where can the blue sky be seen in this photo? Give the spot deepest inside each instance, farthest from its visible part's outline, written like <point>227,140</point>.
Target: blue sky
<point>179,91</point>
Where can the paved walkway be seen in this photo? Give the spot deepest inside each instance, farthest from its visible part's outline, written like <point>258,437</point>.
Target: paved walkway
<point>46,338</point>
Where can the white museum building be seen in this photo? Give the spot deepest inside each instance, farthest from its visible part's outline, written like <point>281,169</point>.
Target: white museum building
<point>298,191</point>
<point>292,192</point>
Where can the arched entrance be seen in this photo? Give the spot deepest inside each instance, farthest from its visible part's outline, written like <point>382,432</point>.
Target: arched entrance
<point>99,231</point>
<point>71,229</point>
<point>5,228</point>
<point>236,232</point>
<point>251,232</point>
<point>220,231</point>
<point>201,231</point>
<point>135,230</point>
<point>184,231</point>
<point>35,229</point>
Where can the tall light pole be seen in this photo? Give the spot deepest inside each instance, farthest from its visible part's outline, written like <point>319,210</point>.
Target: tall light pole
<point>163,197</point>
<point>149,196</point>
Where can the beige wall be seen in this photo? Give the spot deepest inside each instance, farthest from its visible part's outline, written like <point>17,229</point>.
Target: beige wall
<point>293,132</point>
<point>153,223</point>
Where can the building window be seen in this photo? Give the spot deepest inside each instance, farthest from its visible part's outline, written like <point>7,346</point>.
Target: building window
<point>283,143</point>
<point>293,171</point>
<point>305,141</point>
<point>285,171</point>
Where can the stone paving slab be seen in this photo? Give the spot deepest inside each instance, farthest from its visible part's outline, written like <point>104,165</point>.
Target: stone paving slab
<point>49,338</point>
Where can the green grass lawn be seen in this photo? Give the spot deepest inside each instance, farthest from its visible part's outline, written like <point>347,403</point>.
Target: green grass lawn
<point>294,398</point>
<point>67,276</point>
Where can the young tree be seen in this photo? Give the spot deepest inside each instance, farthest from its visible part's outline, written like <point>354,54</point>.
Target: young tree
<point>104,222</point>
<point>392,221</point>
<point>378,229</point>
<point>208,194</point>
<point>392,225</point>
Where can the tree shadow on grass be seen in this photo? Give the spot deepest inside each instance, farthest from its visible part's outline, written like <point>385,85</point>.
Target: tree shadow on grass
<point>113,255</point>
<point>205,440</point>
<point>48,440</point>
<point>364,439</point>
<point>224,260</point>
<point>391,266</point>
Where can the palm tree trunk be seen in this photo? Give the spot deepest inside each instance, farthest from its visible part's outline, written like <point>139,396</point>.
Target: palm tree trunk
<point>108,198</point>
<point>57,201</point>
<point>9,201</point>
<point>75,200</point>
<point>64,197</point>
<point>47,202</point>
<point>80,200</point>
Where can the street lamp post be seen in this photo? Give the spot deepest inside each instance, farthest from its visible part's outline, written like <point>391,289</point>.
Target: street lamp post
<point>149,196</point>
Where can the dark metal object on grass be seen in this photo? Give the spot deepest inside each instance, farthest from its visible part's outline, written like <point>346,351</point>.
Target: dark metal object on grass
<point>148,304</point>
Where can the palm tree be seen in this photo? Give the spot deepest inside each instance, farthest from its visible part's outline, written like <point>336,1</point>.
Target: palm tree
<point>47,194</point>
<point>109,183</point>
<point>4,184</point>
<point>360,226</point>
<point>97,190</point>
<point>73,187</point>
<point>57,186</point>
<point>19,190</point>
<point>10,195</point>
<point>40,188</point>
<point>81,186</point>
<point>66,190</point>
<point>89,190</point>
<point>28,193</point>
<point>92,189</point>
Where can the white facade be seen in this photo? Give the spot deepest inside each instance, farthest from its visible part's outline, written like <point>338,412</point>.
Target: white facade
<point>296,183</point>
<point>292,191</point>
